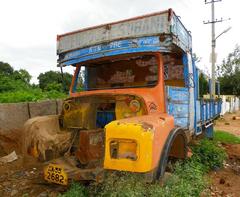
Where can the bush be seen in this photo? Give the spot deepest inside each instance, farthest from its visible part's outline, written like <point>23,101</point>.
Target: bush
<point>76,190</point>
<point>187,180</point>
<point>209,154</point>
<point>29,95</point>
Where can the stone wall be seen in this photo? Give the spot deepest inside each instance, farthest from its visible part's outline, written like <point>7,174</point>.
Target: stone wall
<point>14,115</point>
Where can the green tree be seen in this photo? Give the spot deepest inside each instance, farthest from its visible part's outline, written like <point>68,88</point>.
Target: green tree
<point>203,85</point>
<point>5,68</point>
<point>11,80</point>
<point>229,73</point>
<point>22,75</point>
<point>54,77</point>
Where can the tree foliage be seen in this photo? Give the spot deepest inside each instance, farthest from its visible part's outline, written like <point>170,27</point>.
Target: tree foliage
<point>203,85</point>
<point>229,73</point>
<point>22,75</point>
<point>5,69</point>
<point>13,80</point>
<point>15,86</point>
<point>54,79</point>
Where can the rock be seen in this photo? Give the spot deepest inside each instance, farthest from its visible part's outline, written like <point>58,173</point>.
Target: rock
<point>222,181</point>
<point>14,192</point>
<point>23,183</point>
<point>32,172</point>
<point>236,117</point>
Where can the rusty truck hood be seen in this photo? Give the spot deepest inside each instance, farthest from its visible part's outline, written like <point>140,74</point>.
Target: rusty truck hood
<point>149,96</point>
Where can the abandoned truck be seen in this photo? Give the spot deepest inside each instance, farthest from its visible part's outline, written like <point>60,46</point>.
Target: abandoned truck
<point>134,101</point>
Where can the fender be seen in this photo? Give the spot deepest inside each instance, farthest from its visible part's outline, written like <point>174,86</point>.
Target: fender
<point>169,148</point>
<point>135,144</point>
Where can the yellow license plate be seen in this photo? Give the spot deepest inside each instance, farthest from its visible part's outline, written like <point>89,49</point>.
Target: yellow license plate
<point>55,174</point>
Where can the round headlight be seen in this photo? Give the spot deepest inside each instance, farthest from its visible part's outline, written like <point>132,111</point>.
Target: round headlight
<point>66,106</point>
<point>135,106</point>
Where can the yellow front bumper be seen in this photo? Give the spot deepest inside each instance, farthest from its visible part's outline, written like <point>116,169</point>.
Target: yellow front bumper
<point>124,133</point>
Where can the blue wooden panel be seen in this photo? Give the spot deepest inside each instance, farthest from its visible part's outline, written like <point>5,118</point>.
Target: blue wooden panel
<point>198,111</point>
<point>178,110</point>
<point>202,110</point>
<point>144,44</point>
<point>184,37</point>
<point>210,109</point>
<point>216,109</point>
<point>178,94</point>
<point>183,122</point>
<point>207,111</point>
<point>178,105</point>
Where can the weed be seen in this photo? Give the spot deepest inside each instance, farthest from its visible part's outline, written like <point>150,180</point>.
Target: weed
<point>209,154</point>
<point>121,184</point>
<point>187,180</point>
<point>76,190</point>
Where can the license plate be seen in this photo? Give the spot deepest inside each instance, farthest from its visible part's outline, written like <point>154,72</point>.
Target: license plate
<point>55,174</point>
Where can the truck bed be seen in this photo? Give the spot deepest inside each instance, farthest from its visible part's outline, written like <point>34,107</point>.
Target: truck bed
<point>178,106</point>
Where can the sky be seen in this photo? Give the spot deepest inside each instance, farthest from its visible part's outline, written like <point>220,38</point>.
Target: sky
<point>28,28</point>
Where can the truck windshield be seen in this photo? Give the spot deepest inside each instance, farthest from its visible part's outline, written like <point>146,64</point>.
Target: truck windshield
<point>137,71</point>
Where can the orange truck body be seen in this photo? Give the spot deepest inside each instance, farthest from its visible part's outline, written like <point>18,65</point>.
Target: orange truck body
<point>133,101</point>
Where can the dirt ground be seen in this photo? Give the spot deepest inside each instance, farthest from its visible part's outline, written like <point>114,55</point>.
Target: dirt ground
<point>227,123</point>
<point>24,177</point>
<point>226,181</point>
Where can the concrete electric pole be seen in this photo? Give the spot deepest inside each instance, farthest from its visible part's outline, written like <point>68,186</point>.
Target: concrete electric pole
<point>213,54</point>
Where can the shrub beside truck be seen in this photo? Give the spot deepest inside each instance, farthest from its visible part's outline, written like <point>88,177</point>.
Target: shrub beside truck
<point>134,101</point>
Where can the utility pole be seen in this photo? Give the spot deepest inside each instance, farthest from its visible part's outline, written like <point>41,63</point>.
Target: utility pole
<point>213,55</point>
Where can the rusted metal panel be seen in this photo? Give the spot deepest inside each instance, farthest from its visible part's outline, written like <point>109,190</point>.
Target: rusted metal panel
<point>91,146</point>
<point>160,23</point>
<point>144,26</point>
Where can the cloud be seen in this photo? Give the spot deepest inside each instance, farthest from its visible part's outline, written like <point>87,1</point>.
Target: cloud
<point>29,28</point>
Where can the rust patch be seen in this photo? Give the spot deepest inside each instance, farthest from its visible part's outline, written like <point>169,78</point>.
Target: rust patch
<point>146,126</point>
<point>91,146</point>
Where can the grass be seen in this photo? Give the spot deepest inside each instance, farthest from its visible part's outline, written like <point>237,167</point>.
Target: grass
<point>188,178</point>
<point>225,137</point>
